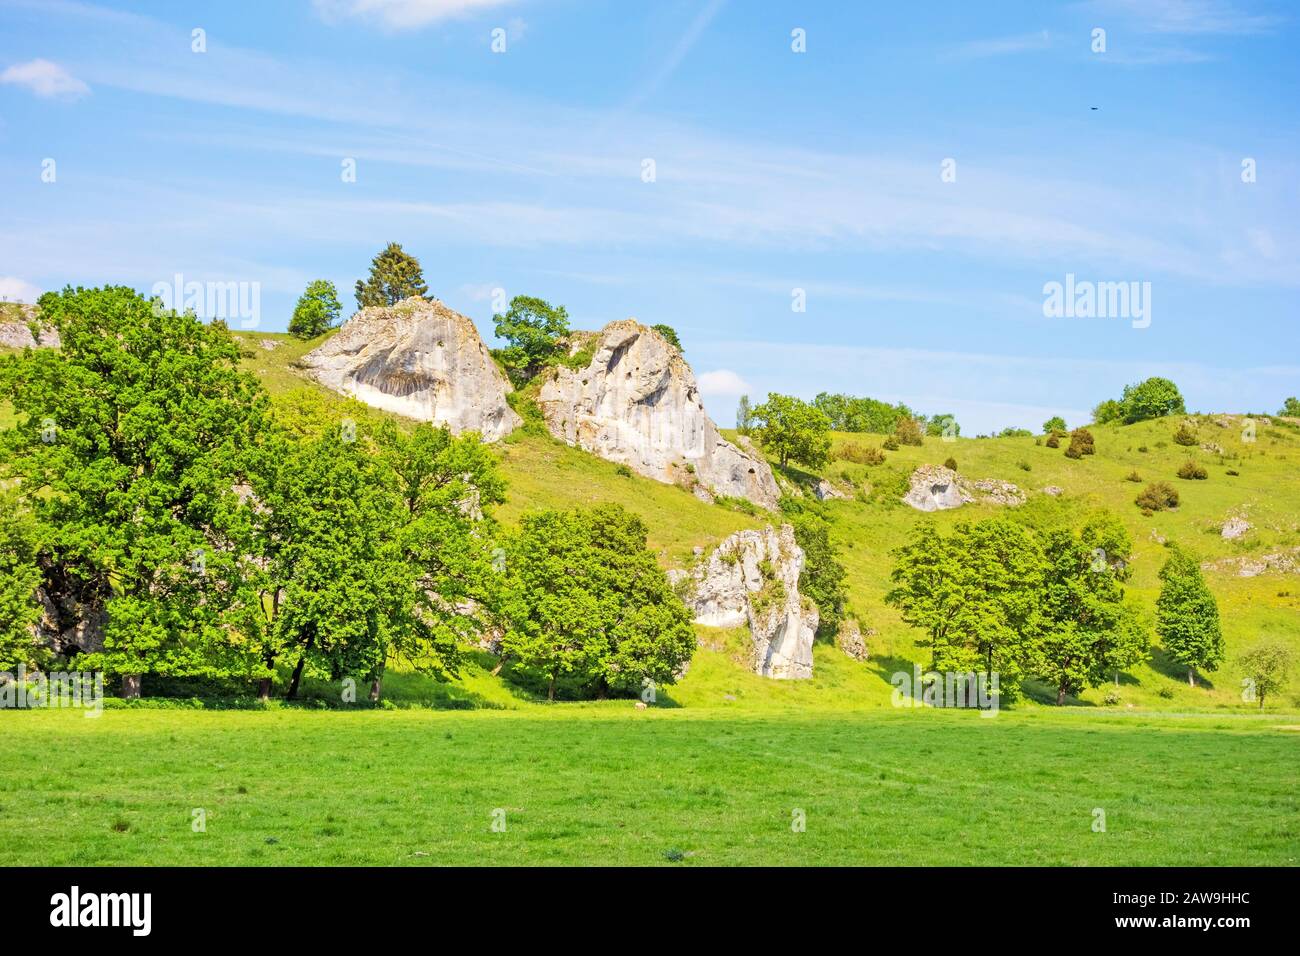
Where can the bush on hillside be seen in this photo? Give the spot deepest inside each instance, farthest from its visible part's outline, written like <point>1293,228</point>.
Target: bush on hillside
<point>908,431</point>
<point>1185,435</point>
<point>1157,496</point>
<point>1192,471</point>
<point>860,454</point>
<point>950,463</point>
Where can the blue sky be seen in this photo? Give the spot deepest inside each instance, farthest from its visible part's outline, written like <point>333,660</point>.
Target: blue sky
<point>774,171</point>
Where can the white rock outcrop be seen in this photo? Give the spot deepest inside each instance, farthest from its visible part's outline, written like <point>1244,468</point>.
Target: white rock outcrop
<point>934,488</point>
<point>636,402</point>
<point>752,578</point>
<point>419,359</point>
<point>16,332</point>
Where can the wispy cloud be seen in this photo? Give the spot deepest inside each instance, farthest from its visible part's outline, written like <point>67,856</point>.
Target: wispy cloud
<point>13,289</point>
<point>46,79</point>
<point>1001,46</point>
<point>1189,17</point>
<point>723,383</point>
<point>403,14</point>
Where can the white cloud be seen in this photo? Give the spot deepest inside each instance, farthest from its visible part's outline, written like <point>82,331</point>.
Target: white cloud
<point>404,14</point>
<point>13,289</point>
<point>723,382</point>
<point>1189,17</point>
<point>45,79</point>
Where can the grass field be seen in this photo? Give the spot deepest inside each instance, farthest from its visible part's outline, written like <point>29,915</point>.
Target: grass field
<point>604,784</point>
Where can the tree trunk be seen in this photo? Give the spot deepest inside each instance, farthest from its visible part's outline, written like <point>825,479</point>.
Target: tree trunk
<point>264,689</point>
<point>1261,701</point>
<point>130,686</point>
<point>297,676</point>
<point>500,664</point>
<point>1191,677</point>
<point>1060,695</point>
<point>550,691</point>
<point>375,685</point>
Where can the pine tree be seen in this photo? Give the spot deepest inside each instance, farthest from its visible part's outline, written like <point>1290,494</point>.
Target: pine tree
<point>394,275</point>
<point>1187,616</point>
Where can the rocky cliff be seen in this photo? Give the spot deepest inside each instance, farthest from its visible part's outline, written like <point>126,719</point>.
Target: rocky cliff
<point>752,578</point>
<point>16,320</point>
<point>636,402</point>
<point>419,359</point>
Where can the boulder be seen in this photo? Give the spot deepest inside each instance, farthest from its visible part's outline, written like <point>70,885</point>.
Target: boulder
<point>935,488</point>
<point>636,402</point>
<point>752,578</point>
<point>824,490</point>
<point>1235,527</point>
<point>851,641</point>
<point>419,359</point>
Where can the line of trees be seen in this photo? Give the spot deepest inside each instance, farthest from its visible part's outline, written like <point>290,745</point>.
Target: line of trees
<point>999,597</point>
<point>152,488</point>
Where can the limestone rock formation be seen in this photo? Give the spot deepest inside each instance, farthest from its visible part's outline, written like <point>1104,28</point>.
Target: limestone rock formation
<point>420,359</point>
<point>636,402</point>
<point>15,329</point>
<point>851,640</point>
<point>1235,527</point>
<point>934,488</point>
<point>752,578</point>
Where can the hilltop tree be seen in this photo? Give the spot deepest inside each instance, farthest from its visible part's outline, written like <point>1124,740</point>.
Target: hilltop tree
<point>669,333</point>
<point>976,594</point>
<point>744,415</point>
<point>584,599</point>
<point>1153,398</point>
<point>394,275</point>
<point>1290,408</point>
<point>794,431</point>
<point>907,431</point>
<point>1054,424</point>
<point>1089,632</point>
<point>1108,411</point>
<point>317,310</point>
<point>1187,616</point>
<point>944,424</point>
<point>1267,665</point>
<point>535,330</point>
<point>129,443</point>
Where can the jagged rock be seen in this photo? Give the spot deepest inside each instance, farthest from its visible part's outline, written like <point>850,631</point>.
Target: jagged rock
<point>851,641</point>
<point>269,345</point>
<point>637,403</point>
<point>1279,562</point>
<point>16,333</point>
<point>935,488</point>
<point>1054,490</point>
<point>1213,448</point>
<point>1235,527</point>
<point>995,490</point>
<point>824,490</point>
<point>419,359</point>
<point>752,578</point>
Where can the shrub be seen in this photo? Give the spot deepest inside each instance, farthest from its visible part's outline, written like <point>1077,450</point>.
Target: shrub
<point>890,444</point>
<point>1233,473</point>
<point>1166,692</point>
<point>623,470</point>
<point>1185,435</point>
<point>1052,442</point>
<point>1157,496</point>
<point>1133,476</point>
<point>860,454</point>
<point>951,464</point>
<point>1023,465</point>
<point>1192,471</point>
<point>1081,442</point>
<point>908,431</point>
<point>1112,698</point>
<point>1142,449</point>
<point>1073,451</point>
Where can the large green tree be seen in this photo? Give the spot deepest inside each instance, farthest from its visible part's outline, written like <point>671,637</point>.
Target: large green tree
<point>534,330</point>
<point>317,310</point>
<point>19,579</point>
<point>793,430</point>
<point>1187,616</point>
<point>1267,666</point>
<point>977,596</point>
<point>1089,632</point>
<point>1153,398</point>
<point>583,599</point>
<point>130,442</point>
<point>394,275</point>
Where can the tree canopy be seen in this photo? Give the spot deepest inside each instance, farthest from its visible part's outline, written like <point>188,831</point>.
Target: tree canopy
<point>1187,616</point>
<point>394,275</point>
<point>317,310</point>
<point>534,330</point>
<point>793,430</point>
